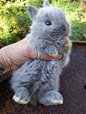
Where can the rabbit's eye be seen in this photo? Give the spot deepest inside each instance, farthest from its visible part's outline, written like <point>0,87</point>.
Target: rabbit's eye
<point>48,23</point>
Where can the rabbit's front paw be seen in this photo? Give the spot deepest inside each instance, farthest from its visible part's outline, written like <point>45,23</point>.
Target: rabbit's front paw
<point>51,98</point>
<point>52,51</point>
<point>67,47</point>
<point>54,55</point>
<point>22,96</point>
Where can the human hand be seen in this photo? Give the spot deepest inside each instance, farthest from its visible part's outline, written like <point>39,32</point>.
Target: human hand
<point>14,55</point>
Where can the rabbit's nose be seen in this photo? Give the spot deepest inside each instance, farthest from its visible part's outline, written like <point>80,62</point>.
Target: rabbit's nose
<point>63,28</point>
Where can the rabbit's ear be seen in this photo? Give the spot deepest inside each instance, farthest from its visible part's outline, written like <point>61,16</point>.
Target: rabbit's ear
<point>32,12</point>
<point>46,3</point>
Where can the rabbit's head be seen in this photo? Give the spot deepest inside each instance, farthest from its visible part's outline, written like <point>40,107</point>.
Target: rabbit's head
<point>48,23</point>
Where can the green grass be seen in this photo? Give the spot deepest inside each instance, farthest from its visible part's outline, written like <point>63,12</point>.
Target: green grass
<point>15,21</point>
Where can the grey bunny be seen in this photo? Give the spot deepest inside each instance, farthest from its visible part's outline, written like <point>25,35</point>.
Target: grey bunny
<point>38,80</point>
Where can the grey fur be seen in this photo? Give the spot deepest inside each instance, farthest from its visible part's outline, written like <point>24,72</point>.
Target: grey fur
<point>38,80</point>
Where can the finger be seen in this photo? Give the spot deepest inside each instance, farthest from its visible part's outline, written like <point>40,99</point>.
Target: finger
<point>66,39</point>
<point>32,53</point>
<point>47,57</point>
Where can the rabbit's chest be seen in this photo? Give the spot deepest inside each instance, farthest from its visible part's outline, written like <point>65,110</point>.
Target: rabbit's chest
<point>45,71</point>
<point>46,74</point>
